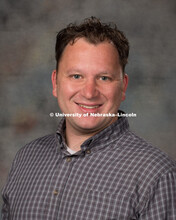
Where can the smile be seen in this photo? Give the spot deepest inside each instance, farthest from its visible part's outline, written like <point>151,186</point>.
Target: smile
<point>89,107</point>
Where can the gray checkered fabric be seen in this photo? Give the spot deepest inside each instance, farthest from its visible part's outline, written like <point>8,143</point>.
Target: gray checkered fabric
<point>116,175</point>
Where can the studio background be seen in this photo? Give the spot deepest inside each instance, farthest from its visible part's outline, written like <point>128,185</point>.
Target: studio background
<point>28,30</point>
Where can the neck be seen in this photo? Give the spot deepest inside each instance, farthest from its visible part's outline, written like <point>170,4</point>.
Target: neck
<point>74,139</point>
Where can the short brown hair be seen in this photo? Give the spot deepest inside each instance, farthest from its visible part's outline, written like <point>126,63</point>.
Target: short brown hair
<point>95,32</point>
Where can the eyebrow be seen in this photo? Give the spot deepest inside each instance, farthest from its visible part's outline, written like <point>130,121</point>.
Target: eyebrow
<point>73,71</point>
<point>79,71</point>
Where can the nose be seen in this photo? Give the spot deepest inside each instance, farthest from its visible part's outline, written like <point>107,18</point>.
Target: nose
<point>90,90</point>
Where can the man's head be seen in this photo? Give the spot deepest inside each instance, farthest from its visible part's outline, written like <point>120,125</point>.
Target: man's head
<point>90,74</point>
<point>94,32</point>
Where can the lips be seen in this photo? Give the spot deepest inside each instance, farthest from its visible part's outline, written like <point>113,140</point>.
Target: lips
<point>89,107</point>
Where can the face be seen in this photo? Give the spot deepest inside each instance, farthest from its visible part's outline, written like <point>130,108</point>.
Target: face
<point>89,80</point>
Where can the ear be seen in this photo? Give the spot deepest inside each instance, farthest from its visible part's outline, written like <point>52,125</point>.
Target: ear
<point>54,82</point>
<point>125,84</point>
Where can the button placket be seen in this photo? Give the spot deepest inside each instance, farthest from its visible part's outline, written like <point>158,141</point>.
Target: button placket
<point>68,159</point>
<point>88,151</point>
<point>55,192</point>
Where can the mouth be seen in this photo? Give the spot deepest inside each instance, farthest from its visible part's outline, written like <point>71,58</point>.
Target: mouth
<point>89,107</point>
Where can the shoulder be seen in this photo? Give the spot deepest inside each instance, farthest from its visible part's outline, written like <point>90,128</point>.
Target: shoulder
<point>37,147</point>
<point>33,153</point>
<point>149,162</point>
<point>143,165</point>
<point>37,144</point>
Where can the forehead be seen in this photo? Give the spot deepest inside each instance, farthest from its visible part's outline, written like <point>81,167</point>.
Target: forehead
<point>85,43</point>
<point>82,49</point>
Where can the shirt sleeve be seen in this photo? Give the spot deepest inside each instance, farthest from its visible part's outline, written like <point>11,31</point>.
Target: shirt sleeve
<point>5,207</point>
<point>162,202</point>
<point>5,212</point>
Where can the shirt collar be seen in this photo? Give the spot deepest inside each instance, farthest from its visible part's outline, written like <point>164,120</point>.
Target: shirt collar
<point>103,138</point>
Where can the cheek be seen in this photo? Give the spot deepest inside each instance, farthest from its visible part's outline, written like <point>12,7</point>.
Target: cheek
<point>113,94</point>
<point>66,90</point>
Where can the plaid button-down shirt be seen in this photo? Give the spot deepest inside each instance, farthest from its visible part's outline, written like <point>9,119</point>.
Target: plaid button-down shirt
<point>116,175</point>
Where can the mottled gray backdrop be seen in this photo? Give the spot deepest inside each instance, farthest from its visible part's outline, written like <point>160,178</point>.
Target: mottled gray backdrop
<point>28,30</point>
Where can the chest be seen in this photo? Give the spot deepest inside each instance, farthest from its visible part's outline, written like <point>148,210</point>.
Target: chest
<point>74,188</point>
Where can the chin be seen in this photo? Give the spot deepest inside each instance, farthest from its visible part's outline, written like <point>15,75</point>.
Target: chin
<point>92,125</point>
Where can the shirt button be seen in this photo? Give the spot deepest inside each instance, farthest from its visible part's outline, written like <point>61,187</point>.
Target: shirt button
<point>88,151</point>
<point>68,159</point>
<point>55,192</point>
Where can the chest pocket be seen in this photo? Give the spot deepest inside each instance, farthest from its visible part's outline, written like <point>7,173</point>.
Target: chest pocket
<point>95,205</point>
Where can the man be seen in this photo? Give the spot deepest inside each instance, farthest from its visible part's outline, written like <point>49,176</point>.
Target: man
<point>94,167</point>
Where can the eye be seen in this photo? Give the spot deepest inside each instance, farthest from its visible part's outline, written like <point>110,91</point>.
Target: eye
<point>76,76</point>
<point>104,78</point>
